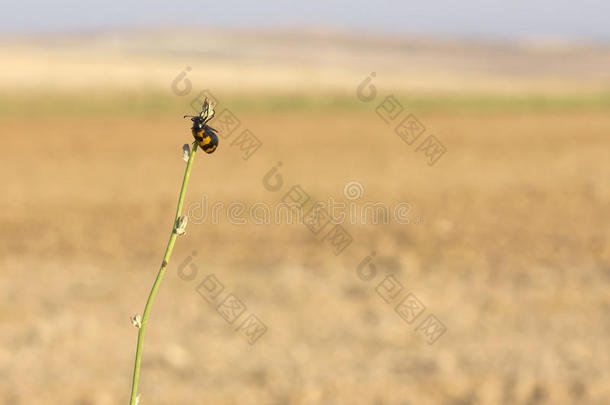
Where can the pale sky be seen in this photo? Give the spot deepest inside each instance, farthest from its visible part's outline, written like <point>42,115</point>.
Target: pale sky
<point>500,19</point>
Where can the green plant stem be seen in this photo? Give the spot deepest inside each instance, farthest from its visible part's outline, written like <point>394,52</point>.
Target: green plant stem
<point>155,287</point>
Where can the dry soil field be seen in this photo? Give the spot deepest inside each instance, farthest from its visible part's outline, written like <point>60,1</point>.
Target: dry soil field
<point>508,246</point>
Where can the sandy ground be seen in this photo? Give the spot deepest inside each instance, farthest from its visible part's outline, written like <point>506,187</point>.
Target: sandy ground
<point>507,243</point>
<point>511,255</point>
<point>279,61</point>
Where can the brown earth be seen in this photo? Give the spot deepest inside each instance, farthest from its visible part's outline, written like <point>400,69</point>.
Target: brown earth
<point>511,253</point>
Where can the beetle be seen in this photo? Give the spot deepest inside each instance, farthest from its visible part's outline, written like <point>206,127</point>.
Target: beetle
<point>205,136</point>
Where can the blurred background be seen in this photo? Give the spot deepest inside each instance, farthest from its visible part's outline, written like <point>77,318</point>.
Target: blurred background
<point>496,291</point>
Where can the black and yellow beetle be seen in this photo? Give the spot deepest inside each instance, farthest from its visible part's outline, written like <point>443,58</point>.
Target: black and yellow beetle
<point>205,136</point>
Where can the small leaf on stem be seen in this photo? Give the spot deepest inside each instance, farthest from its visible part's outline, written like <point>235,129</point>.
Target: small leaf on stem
<point>136,321</point>
<point>186,152</point>
<point>181,228</point>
